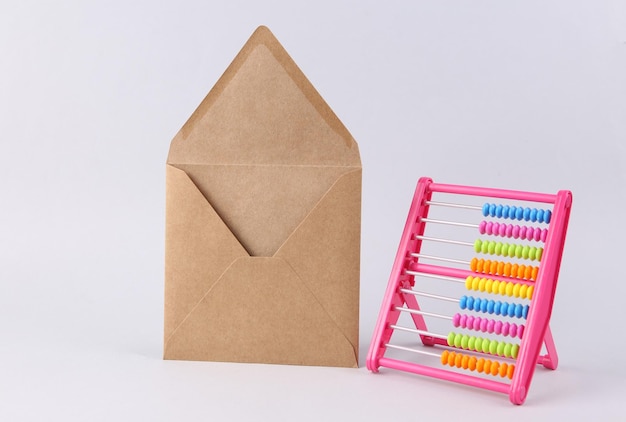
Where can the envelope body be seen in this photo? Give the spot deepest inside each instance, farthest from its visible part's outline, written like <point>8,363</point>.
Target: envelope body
<point>263,206</point>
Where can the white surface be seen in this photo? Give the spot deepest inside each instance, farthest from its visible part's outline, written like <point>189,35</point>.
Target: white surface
<point>521,95</point>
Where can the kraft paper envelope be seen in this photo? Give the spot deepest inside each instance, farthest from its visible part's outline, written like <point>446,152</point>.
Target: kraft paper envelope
<point>263,207</point>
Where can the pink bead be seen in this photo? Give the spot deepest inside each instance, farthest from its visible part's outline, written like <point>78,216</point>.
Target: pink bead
<point>481,227</point>
<point>483,325</point>
<point>516,231</point>
<point>475,323</point>
<point>520,331</point>
<point>509,230</point>
<point>455,320</point>
<point>463,321</point>
<point>522,232</point>
<point>489,228</point>
<point>502,230</point>
<point>498,327</point>
<point>490,325</point>
<point>505,329</point>
<point>513,330</point>
<point>537,235</point>
<point>544,235</point>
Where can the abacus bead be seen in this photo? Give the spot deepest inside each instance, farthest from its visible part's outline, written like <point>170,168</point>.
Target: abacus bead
<point>492,247</point>
<point>544,235</point>
<point>499,211</point>
<point>532,253</point>
<point>492,209</point>
<point>468,282</point>
<point>516,289</point>
<point>515,310</point>
<point>537,235</point>
<point>529,292</point>
<point>500,348</point>
<point>526,214</point>
<point>509,230</point>
<point>475,323</point>
<point>490,307</point>
<point>464,341</point>
<point>497,328</point>
<point>463,321</point>
<point>505,211</point>
<point>507,350</point>
<point>533,215</point>
<point>514,351</point>
<point>484,248</point>
<point>505,329</point>
<point>547,216</point>
<point>480,365</point>
<point>540,215</point>
<point>493,347</point>
<point>463,302</point>
<point>516,230</point>
<point>509,372</point>
<point>455,319</point>
<point>497,307</point>
<point>471,344</point>
<point>444,357</point>
<point>488,284</point>
<point>539,254</point>
<point>509,289</point>
<point>519,213</point>
<point>489,228</point>
<point>458,359</point>
<point>495,368</point>
<point>490,325</point>
<point>450,339</point>
<point>503,369</point>
<point>520,331</point>
<point>486,210</point>
<point>481,227</point>
<point>481,284</point>
<point>513,330</point>
<point>465,362</point>
<point>472,363</point>
<point>485,345</point>
<point>525,312</point>
<point>477,245</point>
<point>512,212</point>
<point>483,306</point>
<point>474,264</point>
<point>483,325</point>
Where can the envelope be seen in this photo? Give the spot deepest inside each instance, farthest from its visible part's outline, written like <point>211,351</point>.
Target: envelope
<point>263,218</point>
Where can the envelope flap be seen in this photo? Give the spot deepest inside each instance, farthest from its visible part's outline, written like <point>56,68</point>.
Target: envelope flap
<point>198,247</point>
<point>271,316</point>
<point>330,234</point>
<point>264,111</point>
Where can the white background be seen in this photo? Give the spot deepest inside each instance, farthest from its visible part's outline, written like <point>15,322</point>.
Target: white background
<point>527,95</point>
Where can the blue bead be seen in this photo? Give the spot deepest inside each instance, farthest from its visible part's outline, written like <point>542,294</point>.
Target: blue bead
<point>486,210</point>
<point>519,213</point>
<point>499,211</point>
<point>492,209</point>
<point>518,310</point>
<point>512,212</point>
<point>505,211</point>
<point>547,216</point>
<point>483,305</point>
<point>491,306</point>
<point>511,310</point>
<point>463,302</point>
<point>470,303</point>
<point>533,215</point>
<point>497,307</point>
<point>525,312</point>
<point>526,214</point>
<point>540,216</point>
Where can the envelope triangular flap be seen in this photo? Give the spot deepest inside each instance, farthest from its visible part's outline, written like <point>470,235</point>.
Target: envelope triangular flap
<point>263,147</point>
<point>271,317</point>
<point>263,110</point>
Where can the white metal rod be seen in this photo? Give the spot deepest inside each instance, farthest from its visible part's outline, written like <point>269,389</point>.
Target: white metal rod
<point>415,311</point>
<point>408,349</point>
<point>438,258</point>
<point>420,332</point>
<point>435,276</point>
<point>430,295</point>
<point>451,223</point>
<point>438,239</point>
<point>451,205</point>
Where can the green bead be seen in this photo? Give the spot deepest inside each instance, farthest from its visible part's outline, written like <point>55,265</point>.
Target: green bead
<point>518,251</point>
<point>464,341</point>
<point>501,346</point>
<point>492,247</point>
<point>498,249</point>
<point>493,347</point>
<point>525,251</point>
<point>451,339</point>
<point>477,245</point>
<point>514,351</point>
<point>507,350</point>
<point>471,344</point>
<point>485,247</point>
<point>539,253</point>
<point>457,340</point>
<point>485,345</point>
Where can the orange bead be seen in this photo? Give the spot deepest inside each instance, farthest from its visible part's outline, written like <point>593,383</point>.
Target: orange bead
<point>458,360</point>
<point>495,368</point>
<point>480,365</point>
<point>503,369</point>
<point>500,270</point>
<point>507,269</point>
<point>472,363</point>
<point>474,264</point>
<point>535,273</point>
<point>509,372</point>
<point>465,362</point>
<point>444,357</point>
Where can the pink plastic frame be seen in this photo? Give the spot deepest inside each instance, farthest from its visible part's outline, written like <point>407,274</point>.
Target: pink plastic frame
<point>537,325</point>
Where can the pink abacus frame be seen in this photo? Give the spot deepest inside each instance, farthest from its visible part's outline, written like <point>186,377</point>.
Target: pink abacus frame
<point>537,331</point>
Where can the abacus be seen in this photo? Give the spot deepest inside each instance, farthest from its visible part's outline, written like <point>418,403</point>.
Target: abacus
<point>528,257</point>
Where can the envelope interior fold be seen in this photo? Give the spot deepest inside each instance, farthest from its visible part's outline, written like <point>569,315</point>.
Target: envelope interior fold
<point>271,317</point>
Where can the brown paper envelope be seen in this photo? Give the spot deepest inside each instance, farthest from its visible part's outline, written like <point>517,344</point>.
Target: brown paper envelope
<point>263,193</point>
<point>298,307</point>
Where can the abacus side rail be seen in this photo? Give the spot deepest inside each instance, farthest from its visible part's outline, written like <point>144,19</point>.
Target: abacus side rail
<point>472,381</point>
<point>493,193</point>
